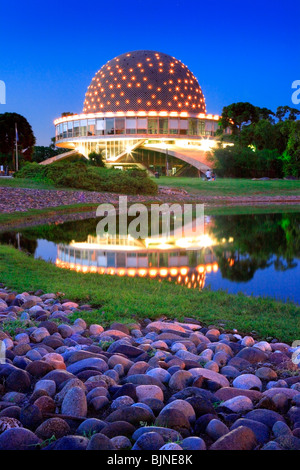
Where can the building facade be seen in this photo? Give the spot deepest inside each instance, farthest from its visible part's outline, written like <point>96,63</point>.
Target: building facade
<point>143,108</point>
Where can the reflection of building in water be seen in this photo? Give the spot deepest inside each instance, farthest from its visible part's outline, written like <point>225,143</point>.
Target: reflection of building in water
<point>184,261</point>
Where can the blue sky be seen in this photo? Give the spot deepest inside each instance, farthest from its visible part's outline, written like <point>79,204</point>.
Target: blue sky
<point>238,50</point>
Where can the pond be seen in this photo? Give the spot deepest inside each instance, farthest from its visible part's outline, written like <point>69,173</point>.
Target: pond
<point>254,254</point>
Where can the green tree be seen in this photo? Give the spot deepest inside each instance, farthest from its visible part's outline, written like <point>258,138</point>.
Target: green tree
<point>8,137</point>
<point>237,115</point>
<point>291,156</point>
<point>96,159</point>
<point>287,113</point>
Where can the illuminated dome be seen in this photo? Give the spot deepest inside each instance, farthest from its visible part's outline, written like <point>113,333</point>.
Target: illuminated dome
<point>144,80</point>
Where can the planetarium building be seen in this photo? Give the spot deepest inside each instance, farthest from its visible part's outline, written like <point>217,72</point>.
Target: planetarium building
<point>144,109</point>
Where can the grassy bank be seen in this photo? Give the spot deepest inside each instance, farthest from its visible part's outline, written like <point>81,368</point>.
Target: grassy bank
<point>129,299</point>
<point>40,216</point>
<point>233,187</point>
<point>8,220</point>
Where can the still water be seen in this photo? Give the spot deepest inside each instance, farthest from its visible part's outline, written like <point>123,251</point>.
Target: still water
<point>254,254</point>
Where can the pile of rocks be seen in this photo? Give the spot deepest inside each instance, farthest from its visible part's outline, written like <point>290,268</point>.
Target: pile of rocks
<point>159,385</point>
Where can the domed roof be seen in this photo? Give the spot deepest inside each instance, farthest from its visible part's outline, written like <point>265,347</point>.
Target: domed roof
<point>144,81</point>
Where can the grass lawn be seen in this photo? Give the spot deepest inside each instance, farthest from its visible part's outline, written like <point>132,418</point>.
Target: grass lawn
<point>129,299</point>
<point>233,187</point>
<point>25,183</point>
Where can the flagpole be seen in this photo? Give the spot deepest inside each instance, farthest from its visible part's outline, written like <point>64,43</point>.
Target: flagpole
<point>17,160</point>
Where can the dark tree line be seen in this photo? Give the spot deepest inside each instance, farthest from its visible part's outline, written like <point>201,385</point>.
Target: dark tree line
<point>261,143</point>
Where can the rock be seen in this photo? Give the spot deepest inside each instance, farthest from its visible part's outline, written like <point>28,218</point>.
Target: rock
<point>100,442</point>
<point>88,364</point>
<point>121,401</point>
<point>281,429</point>
<point>31,416</point>
<point>160,374</point>
<point>174,419</point>
<point>90,426</point>
<point>132,415</point>
<point>247,341</point>
<point>238,404</point>
<point>260,430</point>
<point>70,443</point>
<point>56,427</point>
<point>39,368</point>
<point>193,443</point>
<point>8,423</point>
<point>184,407</point>
<point>267,417</point>
<point>149,441</point>
<point>227,393</point>
<point>266,373</point>
<point>121,443</point>
<point>288,392</point>
<point>39,334</point>
<point>19,381</point>
<point>180,380</point>
<point>252,355</point>
<point>210,375</point>
<point>167,433</point>
<point>18,439</point>
<point>171,446</point>
<point>149,391</point>
<point>48,385</point>
<point>241,438</point>
<point>272,445</point>
<point>45,404</point>
<point>118,428</point>
<point>96,330</point>
<point>74,403</point>
<point>71,383</point>
<point>216,429</point>
<point>247,382</point>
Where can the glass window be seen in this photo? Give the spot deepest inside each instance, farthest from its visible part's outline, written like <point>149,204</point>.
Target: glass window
<point>130,126</point>
<point>57,131</point>
<point>65,127</point>
<point>60,131</point>
<point>83,127</point>
<point>152,126</point>
<point>76,129</point>
<point>163,125</point>
<point>100,126</point>
<point>110,126</point>
<point>201,127</point>
<point>183,126</point>
<point>173,126</point>
<point>120,125</point>
<point>142,125</point>
<point>70,129</point>
<point>91,126</point>
<point>192,126</point>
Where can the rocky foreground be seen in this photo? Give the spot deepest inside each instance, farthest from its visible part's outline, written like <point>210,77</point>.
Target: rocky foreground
<point>157,386</point>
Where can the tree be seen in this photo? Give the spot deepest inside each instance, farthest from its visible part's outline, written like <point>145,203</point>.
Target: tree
<point>41,153</point>
<point>8,137</point>
<point>287,113</point>
<point>237,115</point>
<point>291,156</point>
<point>96,159</point>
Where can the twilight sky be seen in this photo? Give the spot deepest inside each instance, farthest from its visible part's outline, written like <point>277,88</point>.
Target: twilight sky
<point>240,50</point>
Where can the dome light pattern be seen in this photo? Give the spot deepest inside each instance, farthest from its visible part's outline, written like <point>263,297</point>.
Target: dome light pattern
<point>127,82</point>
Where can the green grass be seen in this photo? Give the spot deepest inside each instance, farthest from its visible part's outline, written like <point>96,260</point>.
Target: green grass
<point>131,299</point>
<point>26,183</point>
<point>232,187</point>
<point>19,218</point>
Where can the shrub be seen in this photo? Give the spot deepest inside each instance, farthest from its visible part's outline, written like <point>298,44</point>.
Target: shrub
<point>81,175</point>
